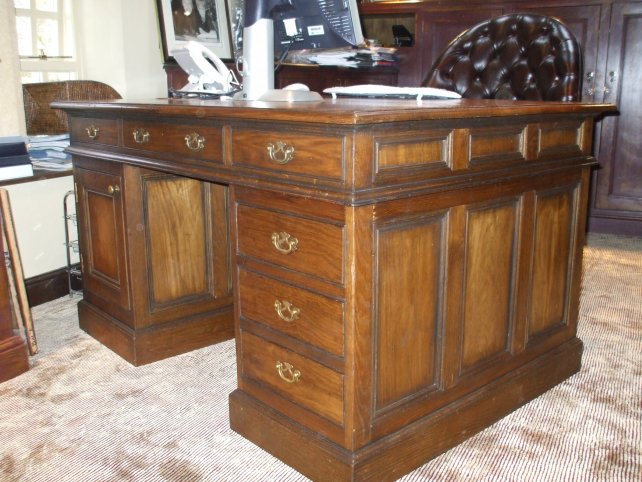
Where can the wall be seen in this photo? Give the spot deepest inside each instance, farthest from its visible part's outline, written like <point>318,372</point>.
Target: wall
<point>12,117</point>
<point>119,44</point>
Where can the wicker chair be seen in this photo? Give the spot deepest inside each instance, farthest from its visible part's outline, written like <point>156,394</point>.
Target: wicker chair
<point>517,56</point>
<point>42,119</point>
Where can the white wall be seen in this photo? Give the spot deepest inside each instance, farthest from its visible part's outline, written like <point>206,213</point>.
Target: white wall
<point>38,216</point>
<point>119,44</point>
<point>12,116</point>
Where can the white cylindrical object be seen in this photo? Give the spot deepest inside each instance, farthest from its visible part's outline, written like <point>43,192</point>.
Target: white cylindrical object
<point>258,59</point>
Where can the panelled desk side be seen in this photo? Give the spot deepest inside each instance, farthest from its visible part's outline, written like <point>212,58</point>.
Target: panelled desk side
<point>404,274</point>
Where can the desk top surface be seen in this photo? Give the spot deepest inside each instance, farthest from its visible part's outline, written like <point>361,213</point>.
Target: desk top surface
<point>340,111</point>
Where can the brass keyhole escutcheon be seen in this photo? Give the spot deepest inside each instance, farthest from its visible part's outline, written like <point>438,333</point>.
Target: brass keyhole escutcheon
<point>195,142</point>
<point>92,131</point>
<point>286,311</point>
<point>287,372</point>
<point>284,242</point>
<point>141,136</point>
<point>280,152</point>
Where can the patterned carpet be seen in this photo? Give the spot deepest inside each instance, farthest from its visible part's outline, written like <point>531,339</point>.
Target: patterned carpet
<point>82,414</point>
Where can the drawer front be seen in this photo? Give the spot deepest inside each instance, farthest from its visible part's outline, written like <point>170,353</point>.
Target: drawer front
<point>307,246</point>
<point>318,155</point>
<point>185,140</point>
<point>297,312</point>
<point>293,376</point>
<point>98,131</point>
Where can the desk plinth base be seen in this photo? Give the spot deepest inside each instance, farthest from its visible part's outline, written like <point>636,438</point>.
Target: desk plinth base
<point>389,458</point>
<point>14,359</point>
<point>158,342</point>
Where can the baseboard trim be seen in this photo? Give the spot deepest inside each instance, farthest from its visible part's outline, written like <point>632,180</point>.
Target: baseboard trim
<point>50,286</point>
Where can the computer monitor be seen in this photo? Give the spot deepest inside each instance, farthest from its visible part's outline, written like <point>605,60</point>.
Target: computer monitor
<point>317,24</point>
<point>300,24</point>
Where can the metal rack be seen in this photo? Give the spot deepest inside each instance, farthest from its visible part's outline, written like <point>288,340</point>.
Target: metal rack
<point>72,245</point>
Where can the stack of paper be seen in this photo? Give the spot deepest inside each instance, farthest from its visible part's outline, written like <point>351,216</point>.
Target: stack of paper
<point>347,57</point>
<point>48,151</point>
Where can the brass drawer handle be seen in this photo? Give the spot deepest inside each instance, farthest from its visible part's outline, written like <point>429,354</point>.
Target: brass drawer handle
<point>284,243</point>
<point>286,311</point>
<point>113,189</point>
<point>195,142</point>
<point>287,372</point>
<point>92,131</point>
<point>281,153</point>
<point>141,136</point>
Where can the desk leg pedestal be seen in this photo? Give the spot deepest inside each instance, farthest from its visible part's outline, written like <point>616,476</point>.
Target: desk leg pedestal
<point>410,446</point>
<point>154,343</point>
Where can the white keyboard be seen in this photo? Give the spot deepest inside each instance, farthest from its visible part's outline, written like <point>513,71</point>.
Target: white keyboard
<point>387,91</point>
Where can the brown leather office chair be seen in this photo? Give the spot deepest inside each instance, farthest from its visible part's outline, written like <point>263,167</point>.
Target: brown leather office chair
<point>518,56</point>
<point>42,119</point>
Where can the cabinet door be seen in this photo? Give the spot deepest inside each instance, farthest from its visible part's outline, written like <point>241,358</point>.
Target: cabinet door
<point>102,239</point>
<point>618,187</point>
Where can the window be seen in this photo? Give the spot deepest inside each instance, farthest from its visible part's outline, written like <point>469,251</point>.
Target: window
<point>46,40</point>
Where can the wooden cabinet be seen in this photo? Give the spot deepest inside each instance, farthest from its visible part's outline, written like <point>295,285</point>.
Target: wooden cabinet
<point>616,204</point>
<point>155,260</point>
<point>13,348</point>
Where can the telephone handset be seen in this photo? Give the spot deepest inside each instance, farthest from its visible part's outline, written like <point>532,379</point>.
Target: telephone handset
<point>204,77</point>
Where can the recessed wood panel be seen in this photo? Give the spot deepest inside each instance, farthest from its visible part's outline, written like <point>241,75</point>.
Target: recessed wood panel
<point>554,222</point>
<point>491,239</point>
<point>104,261</point>
<point>560,138</point>
<point>408,312</point>
<point>497,143</point>
<point>177,219</point>
<point>430,149</point>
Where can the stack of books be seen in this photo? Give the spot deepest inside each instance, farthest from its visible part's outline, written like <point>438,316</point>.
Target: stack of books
<point>347,57</point>
<point>14,158</point>
<point>48,152</point>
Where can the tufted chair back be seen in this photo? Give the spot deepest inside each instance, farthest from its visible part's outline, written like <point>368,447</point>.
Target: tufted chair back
<point>518,56</point>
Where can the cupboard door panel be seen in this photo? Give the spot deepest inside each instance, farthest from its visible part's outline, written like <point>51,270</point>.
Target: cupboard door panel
<point>491,243</point>
<point>409,276</point>
<point>550,273</point>
<point>103,244</point>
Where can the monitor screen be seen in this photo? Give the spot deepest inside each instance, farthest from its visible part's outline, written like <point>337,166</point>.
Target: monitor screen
<point>316,24</point>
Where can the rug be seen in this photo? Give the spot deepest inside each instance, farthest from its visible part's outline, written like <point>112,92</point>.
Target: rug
<point>83,414</point>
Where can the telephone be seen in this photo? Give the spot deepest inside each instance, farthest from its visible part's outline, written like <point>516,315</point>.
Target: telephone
<point>206,72</point>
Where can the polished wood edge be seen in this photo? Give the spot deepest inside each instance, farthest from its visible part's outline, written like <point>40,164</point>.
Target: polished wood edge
<point>158,342</point>
<point>389,458</point>
<point>14,359</point>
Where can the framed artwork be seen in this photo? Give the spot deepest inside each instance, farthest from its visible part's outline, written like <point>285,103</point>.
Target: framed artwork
<point>205,21</point>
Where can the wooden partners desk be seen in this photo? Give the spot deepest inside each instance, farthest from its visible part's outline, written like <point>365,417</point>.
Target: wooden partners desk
<point>404,274</point>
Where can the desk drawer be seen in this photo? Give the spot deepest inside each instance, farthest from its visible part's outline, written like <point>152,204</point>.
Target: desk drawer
<point>318,155</point>
<point>98,131</point>
<point>304,245</point>
<point>297,312</point>
<point>185,140</point>
<point>293,376</point>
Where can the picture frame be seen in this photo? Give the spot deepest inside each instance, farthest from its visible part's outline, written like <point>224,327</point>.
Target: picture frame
<point>205,21</point>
